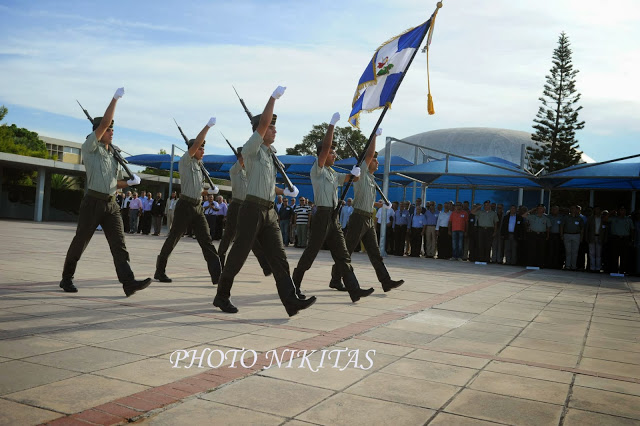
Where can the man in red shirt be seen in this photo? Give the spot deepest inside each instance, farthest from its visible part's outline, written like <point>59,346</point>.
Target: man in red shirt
<point>457,228</point>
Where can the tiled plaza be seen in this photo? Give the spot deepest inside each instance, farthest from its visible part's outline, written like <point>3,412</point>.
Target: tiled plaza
<point>457,344</point>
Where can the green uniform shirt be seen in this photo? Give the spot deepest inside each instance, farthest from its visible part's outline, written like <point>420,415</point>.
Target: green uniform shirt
<point>238,176</point>
<point>621,226</point>
<point>486,219</point>
<point>103,171</point>
<point>572,225</point>
<point>261,171</point>
<point>538,223</point>
<point>190,176</point>
<point>364,191</point>
<point>325,182</point>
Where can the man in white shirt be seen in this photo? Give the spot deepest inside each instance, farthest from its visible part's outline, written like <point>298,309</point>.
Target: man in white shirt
<point>171,208</point>
<point>211,209</point>
<point>442,232</point>
<point>345,213</point>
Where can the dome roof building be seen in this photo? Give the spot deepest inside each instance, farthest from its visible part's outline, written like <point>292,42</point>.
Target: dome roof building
<point>470,142</point>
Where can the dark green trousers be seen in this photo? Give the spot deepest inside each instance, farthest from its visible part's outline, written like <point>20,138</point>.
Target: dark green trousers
<point>230,233</point>
<point>326,228</point>
<point>257,222</point>
<point>94,212</point>
<point>361,228</point>
<point>190,214</point>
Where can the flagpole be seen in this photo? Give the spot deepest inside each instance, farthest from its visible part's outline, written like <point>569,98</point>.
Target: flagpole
<point>375,129</point>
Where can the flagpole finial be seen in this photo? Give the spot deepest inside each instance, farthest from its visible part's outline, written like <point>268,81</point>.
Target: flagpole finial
<point>439,4</point>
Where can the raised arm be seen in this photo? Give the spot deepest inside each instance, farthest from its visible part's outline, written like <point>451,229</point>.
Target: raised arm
<point>267,114</point>
<point>200,138</point>
<point>328,140</point>
<point>107,118</point>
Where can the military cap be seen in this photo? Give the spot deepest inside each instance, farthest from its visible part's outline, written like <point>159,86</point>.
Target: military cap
<point>97,121</point>
<point>256,120</point>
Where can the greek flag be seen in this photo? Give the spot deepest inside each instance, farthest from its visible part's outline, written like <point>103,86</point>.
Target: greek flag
<point>379,82</point>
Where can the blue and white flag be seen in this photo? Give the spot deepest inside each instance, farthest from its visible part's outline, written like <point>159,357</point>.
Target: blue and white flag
<point>379,82</point>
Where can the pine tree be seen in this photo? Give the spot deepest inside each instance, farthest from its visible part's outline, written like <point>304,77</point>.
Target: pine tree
<point>341,135</point>
<point>557,118</point>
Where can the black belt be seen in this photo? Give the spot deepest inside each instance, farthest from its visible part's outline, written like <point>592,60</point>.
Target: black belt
<point>362,212</point>
<point>192,201</point>
<point>572,233</point>
<point>100,195</point>
<point>259,201</point>
<point>237,200</point>
<point>324,208</point>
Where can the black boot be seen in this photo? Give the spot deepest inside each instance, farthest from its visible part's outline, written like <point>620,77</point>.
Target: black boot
<point>130,287</point>
<point>225,305</point>
<point>358,293</point>
<point>337,285</point>
<point>297,281</point>
<point>67,285</point>
<point>294,305</point>
<point>389,284</point>
<point>160,275</point>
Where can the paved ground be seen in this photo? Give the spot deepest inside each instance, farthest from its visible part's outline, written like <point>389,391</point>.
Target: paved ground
<point>457,344</point>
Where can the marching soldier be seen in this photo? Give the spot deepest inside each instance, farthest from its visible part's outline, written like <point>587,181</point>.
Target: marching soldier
<point>258,217</point>
<point>189,210</point>
<point>325,225</point>
<point>361,226</point>
<point>99,207</point>
<point>238,177</point>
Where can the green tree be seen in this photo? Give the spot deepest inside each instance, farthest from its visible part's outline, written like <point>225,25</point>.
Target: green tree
<point>3,112</point>
<point>62,182</point>
<point>341,135</point>
<point>557,117</point>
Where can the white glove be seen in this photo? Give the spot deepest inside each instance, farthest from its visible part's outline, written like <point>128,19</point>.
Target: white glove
<point>213,191</point>
<point>355,171</point>
<point>293,193</point>
<point>212,122</point>
<point>136,179</point>
<point>335,118</point>
<point>379,131</point>
<point>278,92</point>
<point>386,206</point>
<point>119,93</point>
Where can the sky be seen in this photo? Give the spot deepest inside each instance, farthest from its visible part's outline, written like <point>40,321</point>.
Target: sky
<point>488,62</point>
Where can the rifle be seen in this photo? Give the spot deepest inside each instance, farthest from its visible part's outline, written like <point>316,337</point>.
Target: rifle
<point>355,154</point>
<point>203,169</point>
<point>275,159</point>
<point>231,146</point>
<point>114,149</point>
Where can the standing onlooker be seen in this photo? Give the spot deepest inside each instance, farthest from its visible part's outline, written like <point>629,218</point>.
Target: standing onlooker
<point>157,212</point>
<point>211,207</point>
<point>221,215</point>
<point>147,204</point>
<point>457,228</point>
<point>442,232</point>
<point>135,212</point>
<point>487,227</point>
<point>431,219</point>
<point>417,230</point>
<point>555,246</point>
<point>292,226</point>
<point>301,219</point>
<point>401,222</point>
<point>595,236</point>
<point>497,247</point>
<point>284,214</point>
<point>539,227</point>
<point>620,237</point>
<point>571,231</point>
<point>345,214</point>
<point>512,233</point>
<point>171,208</point>
<point>124,210</point>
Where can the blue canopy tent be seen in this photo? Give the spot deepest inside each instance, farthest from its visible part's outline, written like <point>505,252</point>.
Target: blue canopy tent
<point>609,176</point>
<point>480,172</point>
<point>155,161</point>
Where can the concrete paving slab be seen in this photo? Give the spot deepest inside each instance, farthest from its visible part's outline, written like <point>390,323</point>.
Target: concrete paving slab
<point>85,359</point>
<point>504,409</point>
<point>442,373</point>
<point>269,395</point>
<point>345,409</point>
<point>32,345</point>
<point>530,371</point>
<point>20,375</point>
<point>521,387</point>
<point>447,419</point>
<point>200,411</point>
<point>13,413</point>
<point>587,418</point>
<point>602,383</point>
<point>448,358</point>
<point>605,402</point>
<point>75,394</point>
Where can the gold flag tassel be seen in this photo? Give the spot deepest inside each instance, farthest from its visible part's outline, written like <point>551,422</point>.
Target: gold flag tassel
<point>430,108</point>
